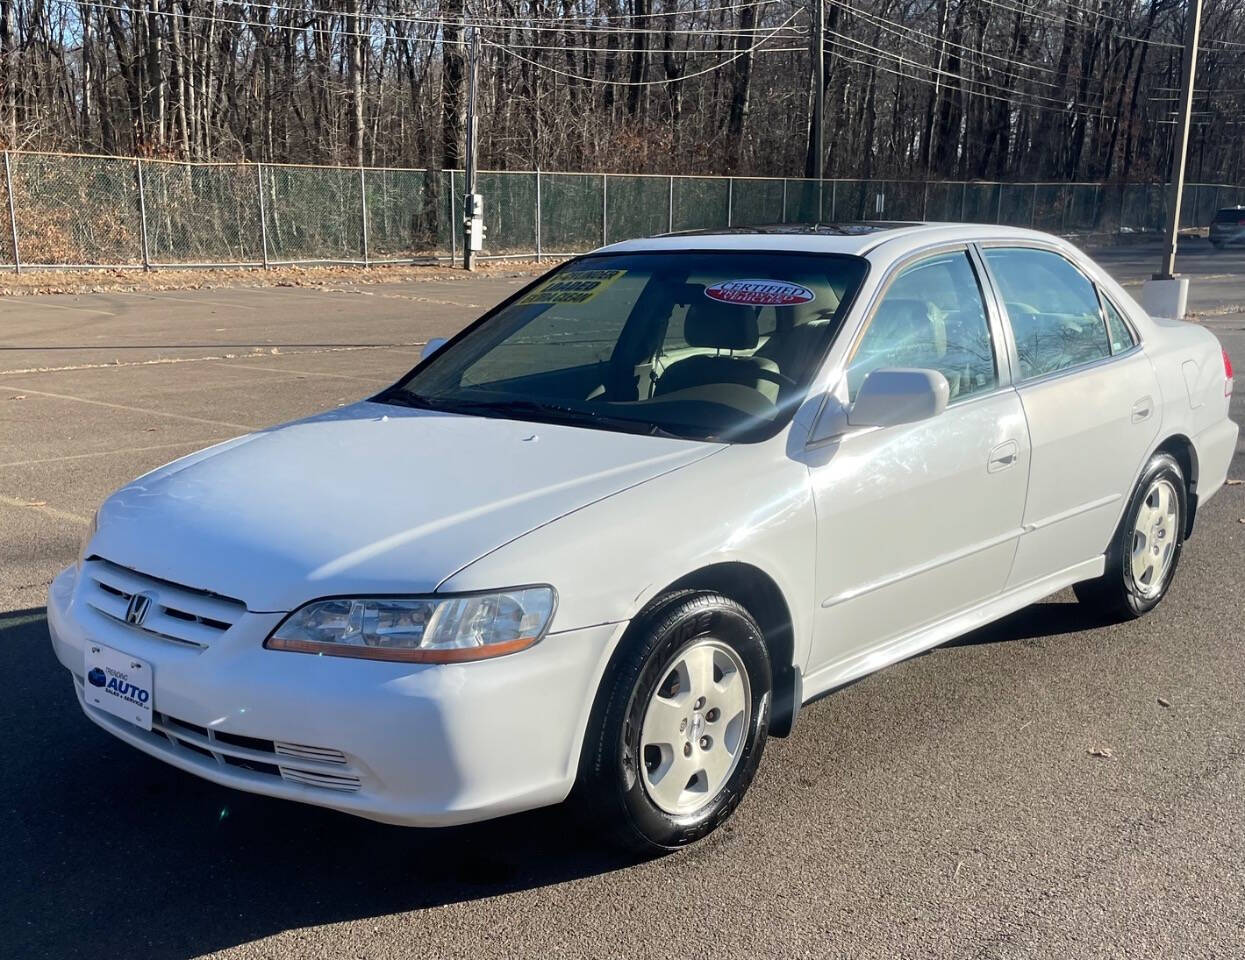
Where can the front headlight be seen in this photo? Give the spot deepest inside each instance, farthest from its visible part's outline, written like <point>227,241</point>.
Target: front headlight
<point>87,537</point>
<point>449,629</point>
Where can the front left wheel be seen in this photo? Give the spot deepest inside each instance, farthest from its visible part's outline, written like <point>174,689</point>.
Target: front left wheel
<point>679,725</point>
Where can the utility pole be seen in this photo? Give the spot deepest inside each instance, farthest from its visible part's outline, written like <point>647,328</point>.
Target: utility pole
<point>1180,143</point>
<point>473,209</point>
<point>817,142</point>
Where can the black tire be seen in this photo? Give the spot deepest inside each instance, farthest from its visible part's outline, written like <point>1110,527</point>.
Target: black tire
<point>1116,595</point>
<point>611,794</point>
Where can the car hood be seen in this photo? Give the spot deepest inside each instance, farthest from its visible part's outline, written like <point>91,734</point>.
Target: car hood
<point>371,498</point>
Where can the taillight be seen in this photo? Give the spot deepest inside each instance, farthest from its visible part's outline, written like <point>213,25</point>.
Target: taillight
<point>1227,373</point>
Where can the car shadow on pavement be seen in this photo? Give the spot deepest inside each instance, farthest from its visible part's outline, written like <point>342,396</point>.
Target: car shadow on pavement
<point>112,853</point>
<point>1048,618</point>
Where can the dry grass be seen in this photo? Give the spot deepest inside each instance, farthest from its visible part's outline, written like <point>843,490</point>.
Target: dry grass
<point>110,280</point>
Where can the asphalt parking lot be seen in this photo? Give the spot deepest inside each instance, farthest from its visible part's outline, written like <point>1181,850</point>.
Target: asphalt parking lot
<point>1044,787</point>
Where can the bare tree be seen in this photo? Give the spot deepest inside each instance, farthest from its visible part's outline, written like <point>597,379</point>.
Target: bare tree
<point>1053,89</point>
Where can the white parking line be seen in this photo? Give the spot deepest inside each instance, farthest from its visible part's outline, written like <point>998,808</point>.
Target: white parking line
<point>210,303</point>
<point>31,301</point>
<point>43,508</point>
<point>308,373</point>
<point>207,441</point>
<point>122,406</point>
<point>223,356</point>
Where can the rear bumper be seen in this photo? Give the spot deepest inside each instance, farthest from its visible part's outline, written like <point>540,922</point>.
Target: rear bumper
<point>420,745</point>
<point>1215,446</point>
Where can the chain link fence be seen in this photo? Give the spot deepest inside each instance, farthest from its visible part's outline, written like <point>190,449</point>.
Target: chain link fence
<point>85,211</point>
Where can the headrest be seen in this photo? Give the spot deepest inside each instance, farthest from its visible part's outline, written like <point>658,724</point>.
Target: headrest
<point>727,326</point>
<point>905,318</point>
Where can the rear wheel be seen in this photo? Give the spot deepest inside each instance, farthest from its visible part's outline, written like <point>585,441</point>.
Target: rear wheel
<point>1145,551</point>
<point>679,725</point>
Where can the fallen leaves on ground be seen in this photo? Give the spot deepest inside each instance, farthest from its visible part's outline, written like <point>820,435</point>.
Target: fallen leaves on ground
<point>106,280</point>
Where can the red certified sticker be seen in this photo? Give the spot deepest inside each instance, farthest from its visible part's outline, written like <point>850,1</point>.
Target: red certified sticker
<point>760,293</point>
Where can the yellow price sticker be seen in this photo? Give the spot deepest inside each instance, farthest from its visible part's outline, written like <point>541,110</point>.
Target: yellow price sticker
<point>576,286</point>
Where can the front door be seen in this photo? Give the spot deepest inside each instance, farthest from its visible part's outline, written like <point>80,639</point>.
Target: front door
<point>918,522</point>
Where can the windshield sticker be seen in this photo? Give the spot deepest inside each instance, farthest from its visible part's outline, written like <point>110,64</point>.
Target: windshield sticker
<point>760,293</point>
<point>577,286</point>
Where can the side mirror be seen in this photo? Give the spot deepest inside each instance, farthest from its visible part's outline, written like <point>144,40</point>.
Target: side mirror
<point>891,396</point>
<point>431,347</point>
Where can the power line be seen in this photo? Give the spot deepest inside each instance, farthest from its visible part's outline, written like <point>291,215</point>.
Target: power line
<point>1014,100</point>
<point>878,51</point>
<point>558,25</point>
<point>887,25</point>
<point>692,12</point>
<point>343,31</point>
<point>642,83</point>
<point>1067,21</point>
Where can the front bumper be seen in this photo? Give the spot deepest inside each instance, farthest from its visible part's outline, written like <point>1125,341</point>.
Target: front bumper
<point>413,744</point>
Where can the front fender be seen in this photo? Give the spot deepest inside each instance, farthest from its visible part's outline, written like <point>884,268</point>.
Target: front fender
<point>751,504</point>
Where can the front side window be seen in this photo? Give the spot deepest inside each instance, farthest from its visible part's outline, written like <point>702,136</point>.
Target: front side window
<point>698,344</point>
<point>932,316</point>
<point>1052,308</point>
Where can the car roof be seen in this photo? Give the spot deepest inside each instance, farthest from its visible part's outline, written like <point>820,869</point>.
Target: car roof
<point>852,238</point>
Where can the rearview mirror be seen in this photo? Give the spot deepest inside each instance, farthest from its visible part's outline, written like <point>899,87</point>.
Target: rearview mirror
<point>431,347</point>
<point>891,396</point>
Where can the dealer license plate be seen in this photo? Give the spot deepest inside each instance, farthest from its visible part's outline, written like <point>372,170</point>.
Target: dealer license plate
<point>119,683</point>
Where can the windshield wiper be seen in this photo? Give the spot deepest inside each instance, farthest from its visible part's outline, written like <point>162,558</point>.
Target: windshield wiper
<point>404,398</point>
<point>520,409</point>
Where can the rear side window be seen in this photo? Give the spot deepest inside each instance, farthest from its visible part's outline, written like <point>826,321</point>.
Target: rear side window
<point>1052,308</point>
<point>1121,336</point>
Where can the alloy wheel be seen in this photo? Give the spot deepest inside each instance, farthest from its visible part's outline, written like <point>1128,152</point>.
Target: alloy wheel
<point>695,726</point>
<point>1154,538</point>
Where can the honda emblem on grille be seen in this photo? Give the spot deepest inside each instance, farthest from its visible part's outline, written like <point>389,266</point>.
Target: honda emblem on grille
<point>136,612</point>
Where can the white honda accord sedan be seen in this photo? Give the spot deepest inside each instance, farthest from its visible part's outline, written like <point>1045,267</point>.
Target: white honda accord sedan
<point>610,537</point>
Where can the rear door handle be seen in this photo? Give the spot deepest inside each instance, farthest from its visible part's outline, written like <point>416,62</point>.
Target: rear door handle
<point>1003,456</point>
<point>1142,410</point>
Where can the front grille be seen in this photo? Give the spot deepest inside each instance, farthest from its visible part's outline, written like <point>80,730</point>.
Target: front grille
<point>178,614</point>
<point>260,756</point>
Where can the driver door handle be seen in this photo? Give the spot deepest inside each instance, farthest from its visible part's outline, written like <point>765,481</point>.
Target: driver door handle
<point>1003,456</point>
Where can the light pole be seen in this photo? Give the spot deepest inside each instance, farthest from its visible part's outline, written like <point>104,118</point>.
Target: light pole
<point>1167,295</point>
<point>818,139</point>
<point>473,203</point>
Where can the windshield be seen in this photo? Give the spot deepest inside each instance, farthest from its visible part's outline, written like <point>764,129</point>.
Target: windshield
<point>700,344</point>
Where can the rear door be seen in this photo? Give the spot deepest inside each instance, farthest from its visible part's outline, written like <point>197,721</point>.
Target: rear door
<point>1090,398</point>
